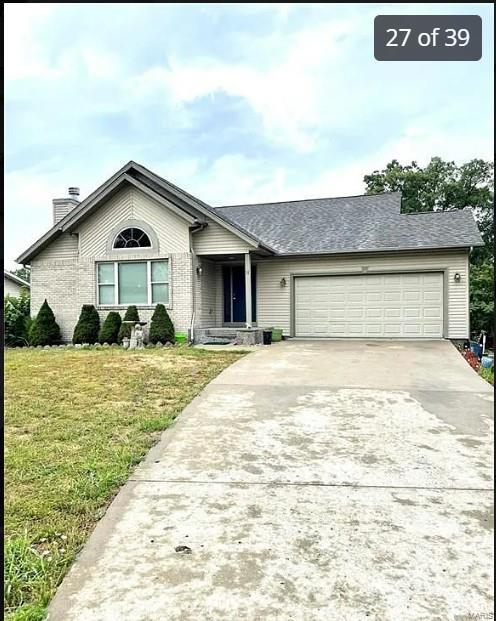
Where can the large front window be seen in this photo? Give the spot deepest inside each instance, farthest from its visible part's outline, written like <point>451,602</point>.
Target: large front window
<point>133,282</point>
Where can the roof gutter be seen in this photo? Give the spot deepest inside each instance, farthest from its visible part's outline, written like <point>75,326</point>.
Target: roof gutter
<point>345,251</point>
<point>198,226</point>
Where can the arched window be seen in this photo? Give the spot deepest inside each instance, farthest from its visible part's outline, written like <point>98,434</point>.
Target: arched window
<point>132,238</point>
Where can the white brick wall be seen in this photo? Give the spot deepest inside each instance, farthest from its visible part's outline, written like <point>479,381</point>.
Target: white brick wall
<point>57,282</point>
<point>70,283</point>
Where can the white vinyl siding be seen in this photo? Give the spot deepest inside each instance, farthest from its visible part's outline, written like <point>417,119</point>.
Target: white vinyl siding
<point>370,305</point>
<point>216,239</point>
<point>274,301</point>
<point>12,288</point>
<point>64,247</point>
<point>132,204</point>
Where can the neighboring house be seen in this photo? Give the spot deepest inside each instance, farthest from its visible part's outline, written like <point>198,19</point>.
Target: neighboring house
<point>13,285</point>
<point>331,267</point>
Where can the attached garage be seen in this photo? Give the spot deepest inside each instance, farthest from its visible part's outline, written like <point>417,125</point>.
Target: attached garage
<point>388,305</point>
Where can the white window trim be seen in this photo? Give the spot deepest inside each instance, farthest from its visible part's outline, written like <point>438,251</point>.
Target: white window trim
<point>136,224</point>
<point>148,303</point>
<point>135,248</point>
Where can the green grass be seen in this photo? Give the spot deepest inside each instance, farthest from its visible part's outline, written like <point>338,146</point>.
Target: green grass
<point>76,422</point>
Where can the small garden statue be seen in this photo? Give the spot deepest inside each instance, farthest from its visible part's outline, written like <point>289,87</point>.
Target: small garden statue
<point>138,332</point>
<point>125,342</point>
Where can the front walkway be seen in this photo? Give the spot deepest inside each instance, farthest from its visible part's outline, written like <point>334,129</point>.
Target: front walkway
<point>310,481</point>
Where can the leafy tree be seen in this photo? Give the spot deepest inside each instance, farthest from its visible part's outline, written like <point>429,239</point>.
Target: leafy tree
<point>44,329</point>
<point>88,325</point>
<point>23,272</point>
<point>125,329</point>
<point>109,332</point>
<point>16,316</point>
<point>482,304</point>
<point>161,327</point>
<point>440,186</point>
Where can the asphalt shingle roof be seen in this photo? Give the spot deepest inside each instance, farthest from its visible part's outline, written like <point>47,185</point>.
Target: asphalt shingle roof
<point>352,224</point>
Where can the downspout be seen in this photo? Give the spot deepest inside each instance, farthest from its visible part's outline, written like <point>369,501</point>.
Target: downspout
<point>199,226</point>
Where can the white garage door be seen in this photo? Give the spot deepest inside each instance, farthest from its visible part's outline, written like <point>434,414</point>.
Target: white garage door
<point>372,305</point>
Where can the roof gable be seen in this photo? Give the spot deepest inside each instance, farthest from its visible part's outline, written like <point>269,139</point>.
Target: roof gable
<point>170,196</point>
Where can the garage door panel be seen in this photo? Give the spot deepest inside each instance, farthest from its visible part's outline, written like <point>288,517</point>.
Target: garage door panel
<point>392,329</point>
<point>431,279</point>
<point>412,313</point>
<point>374,296</point>
<point>432,312</point>
<point>374,313</point>
<point>337,327</point>
<point>356,313</point>
<point>412,296</point>
<point>373,329</point>
<point>412,280</point>
<point>375,305</point>
<point>356,329</point>
<point>392,313</point>
<point>320,315</point>
<point>356,297</point>
<point>392,296</point>
<point>432,296</point>
<point>412,329</point>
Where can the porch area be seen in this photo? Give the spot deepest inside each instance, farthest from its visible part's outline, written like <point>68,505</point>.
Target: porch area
<point>226,300</point>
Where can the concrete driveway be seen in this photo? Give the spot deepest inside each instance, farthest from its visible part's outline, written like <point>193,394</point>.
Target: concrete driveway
<point>312,480</point>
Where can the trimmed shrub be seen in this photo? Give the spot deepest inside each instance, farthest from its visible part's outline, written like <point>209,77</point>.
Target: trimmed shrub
<point>88,325</point>
<point>125,329</point>
<point>161,327</point>
<point>44,329</point>
<point>16,319</point>
<point>109,332</point>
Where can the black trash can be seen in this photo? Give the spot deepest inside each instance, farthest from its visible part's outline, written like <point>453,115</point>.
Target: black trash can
<point>267,337</point>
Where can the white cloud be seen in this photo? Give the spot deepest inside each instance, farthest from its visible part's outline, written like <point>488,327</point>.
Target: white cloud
<point>26,193</point>
<point>287,95</point>
<point>325,112</point>
<point>24,54</point>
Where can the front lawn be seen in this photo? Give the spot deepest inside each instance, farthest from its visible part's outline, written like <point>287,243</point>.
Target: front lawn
<point>76,422</point>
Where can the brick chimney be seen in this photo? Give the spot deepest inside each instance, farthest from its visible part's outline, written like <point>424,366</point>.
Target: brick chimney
<point>62,206</point>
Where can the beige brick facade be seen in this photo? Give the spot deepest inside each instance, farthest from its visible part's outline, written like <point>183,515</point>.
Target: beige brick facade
<point>68,284</point>
<point>65,275</point>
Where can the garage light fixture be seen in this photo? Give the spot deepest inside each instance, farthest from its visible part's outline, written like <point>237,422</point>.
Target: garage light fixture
<point>283,282</point>
<point>457,277</point>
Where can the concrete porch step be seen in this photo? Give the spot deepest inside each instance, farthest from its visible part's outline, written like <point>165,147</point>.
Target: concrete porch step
<point>241,336</point>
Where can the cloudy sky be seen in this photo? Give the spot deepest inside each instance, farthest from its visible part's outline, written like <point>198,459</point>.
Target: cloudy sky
<point>235,103</point>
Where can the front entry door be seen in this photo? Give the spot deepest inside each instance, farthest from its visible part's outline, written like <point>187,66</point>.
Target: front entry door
<point>235,293</point>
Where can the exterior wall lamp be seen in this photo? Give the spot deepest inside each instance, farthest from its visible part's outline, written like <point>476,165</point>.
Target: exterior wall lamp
<point>457,277</point>
<point>282,282</point>
<point>198,271</point>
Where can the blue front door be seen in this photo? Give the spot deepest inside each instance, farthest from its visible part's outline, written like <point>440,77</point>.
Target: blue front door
<point>235,293</point>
